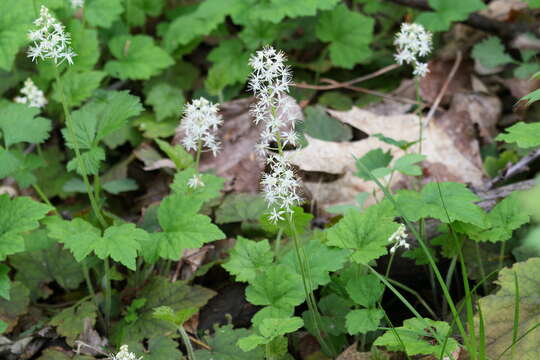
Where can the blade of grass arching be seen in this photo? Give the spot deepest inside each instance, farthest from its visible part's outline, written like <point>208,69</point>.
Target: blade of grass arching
<point>481,334</point>
<point>518,340</point>
<point>515,330</point>
<point>415,294</point>
<point>394,332</point>
<point>470,340</point>
<point>431,261</point>
<point>406,303</point>
<point>448,282</point>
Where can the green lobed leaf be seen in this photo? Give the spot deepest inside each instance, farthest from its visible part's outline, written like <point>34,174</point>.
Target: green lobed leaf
<point>249,11</point>
<point>18,123</point>
<point>419,337</point>
<point>448,11</point>
<point>212,185</point>
<point>17,216</point>
<point>230,65</point>
<point>524,135</point>
<point>78,86</point>
<point>121,243</point>
<point>159,348</point>
<point>376,161</point>
<point>178,318</point>
<point>70,322</point>
<point>366,233</point>
<point>238,207</point>
<point>91,159</point>
<point>491,53</point>
<point>223,345</point>
<point>180,157</point>
<point>407,164</point>
<point>77,235</point>
<point>166,100</point>
<point>447,201</point>
<point>17,305</point>
<point>365,290</point>
<point>5,283</point>
<point>137,57</point>
<point>319,125</point>
<point>85,44</point>
<point>15,21</point>
<point>138,10</point>
<point>102,13</point>
<point>272,328</point>
<point>362,321</point>
<point>249,258</point>
<point>259,33</point>
<point>349,34</point>
<point>119,186</point>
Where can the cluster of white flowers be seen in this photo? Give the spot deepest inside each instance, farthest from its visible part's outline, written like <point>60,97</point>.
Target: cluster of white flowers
<point>399,239</point>
<point>413,42</point>
<point>270,81</point>
<point>75,4</point>
<point>280,187</point>
<point>32,95</point>
<point>200,124</point>
<point>195,181</point>
<point>50,40</point>
<point>124,354</point>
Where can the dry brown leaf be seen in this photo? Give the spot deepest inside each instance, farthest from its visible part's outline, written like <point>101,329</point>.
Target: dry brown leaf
<point>502,9</point>
<point>431,84</point>
<point>352,354</point>
<point>449,144</point>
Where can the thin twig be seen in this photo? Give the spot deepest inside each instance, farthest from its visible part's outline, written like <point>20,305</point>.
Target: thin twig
<point>337,85</point>
<point>519,167</point>
<point>444,88</point>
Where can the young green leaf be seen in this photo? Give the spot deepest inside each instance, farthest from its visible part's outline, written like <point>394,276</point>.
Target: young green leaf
<point>349,34</point>
<point>249,258</point>
<point>248,11</point>
<point>138,10</point>
<point>240,207</point>
<point>376,161</point>
<point>407,164</point>
<point>447,11</point>
<point>137,57</point>
<point>102,13</point>
<point>446,201</point>
<point>223,345</point>
<point>178,318</point>
<point>419,336</point>
<point>71,322</point>
<point>361,321</point>
<point>166,100</point>
<point>211,189</point>
<point>16,217</point>
<point>18,123</point>
<point>77,235</point>
<point>182,228</point>
<point>525,135</point>
<point>15,21</point>
<point>230,67</point>
<point>365,290</point>
<point>121,243</point>
<point>85,44</point>
<point>270,329</point>
<point>178,154</point>
<point>366,233</point>
<point>490,53</point>
<point>78,86</point>
<point>278,287</point>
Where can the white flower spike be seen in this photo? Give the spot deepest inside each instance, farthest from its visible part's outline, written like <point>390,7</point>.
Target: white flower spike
<point>412,43</point>
<point>195,181</point>
<point>50,40</point>
<point>75,4</point>
<point>399,239</point>
<point>200,124</point>
<point>124,354</point>
<point>33,97</point>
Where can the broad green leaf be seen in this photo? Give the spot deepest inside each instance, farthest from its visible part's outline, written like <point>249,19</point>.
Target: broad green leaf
<point>121,243</point>
<point>17,216</point>
<point>182,229</point>
<point>321,260</point>
<point>407,164</point>
<point>85,44</point>
<point>166,100</point>
<point>419,337</point>
<point>251,342</point>
<point>91,159</point>
<point>230,65</point>
<point>447,201</point>
<point>102,13</point>
<point>138,10</point>
<point>259,33</point>
<point>365,290</point>
<point>18,123</point>
<point>272,328</point>
<point>212,185</point>
<point>336,100</point>
<point>178,154</point>
<point>177,318</point>
<point>491,53</point>
<point>366,233</point>
<point>223,345</point>
<point>53,354</point>
<point>529,247</point>
<point>78,86</point>
<point>362,321</point>
<point>300,221</point>
<point>159,348</point>
<point>15,21</point>
<point>498,311</point>
<point>507,216</point>
<point>333,310</point>
<point>249,11</point>
<point>5,284</point>
<point>319,125</point>
<point>240,207</point>
<point>24,167</point>
<point>527,70</point>
<point>349,34</point>
<point>37,267</point>
<point>376,161</point>
<point>249,258</point>
<point>271,312</point>
<point>17,305</point>
<point>447,11</point>
<point>52,177</point>
<point>121,185</point>
<point>137,57</point>
<point>77,235</point>
<point>525,135</point>
<point>278,287</point>
<point>70,322</point>
<point>10,163</point>
<point>160,292</point>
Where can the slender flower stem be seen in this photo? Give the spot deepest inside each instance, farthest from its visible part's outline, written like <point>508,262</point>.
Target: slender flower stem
<point>69,124</point>
<point>277,242</point>
<point>43,197</point>
<point>90,287</point>
<point>198,156</point>
<point>187,342</point>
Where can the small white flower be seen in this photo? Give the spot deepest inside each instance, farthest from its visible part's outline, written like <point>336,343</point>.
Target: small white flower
<point>50,40</point>
<point>124,354</point>
<point>200,124</point>
<point>276,215</point>
<point>399,239</point>
<point>32,95</point>
<point>195,181</point>
<point>412,43</point>
<point>75,4</point>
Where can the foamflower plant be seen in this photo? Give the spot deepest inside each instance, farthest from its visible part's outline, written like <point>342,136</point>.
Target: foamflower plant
<point>412,43</point>
<point>31,95</point>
